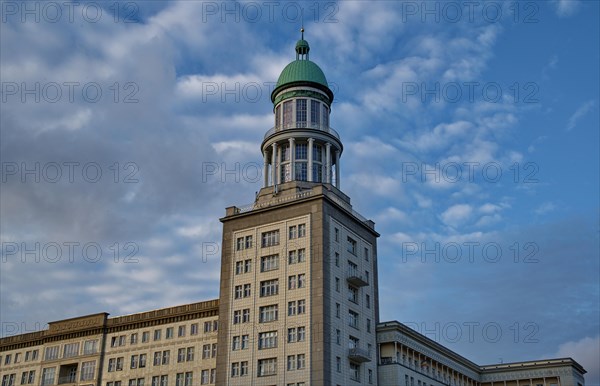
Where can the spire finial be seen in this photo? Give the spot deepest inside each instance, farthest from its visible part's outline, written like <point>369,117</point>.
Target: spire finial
<point>302,31</point>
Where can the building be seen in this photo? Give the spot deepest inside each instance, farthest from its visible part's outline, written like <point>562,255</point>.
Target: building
<point>298,300</point>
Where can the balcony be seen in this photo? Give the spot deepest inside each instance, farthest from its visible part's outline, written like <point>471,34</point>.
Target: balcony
<point>357,354</point>
<point>303,125</point>
<point>72,378</point>
<point>355,278</point>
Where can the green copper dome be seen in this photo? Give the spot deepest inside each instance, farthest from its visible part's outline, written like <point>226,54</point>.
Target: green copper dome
<point>302,71</point>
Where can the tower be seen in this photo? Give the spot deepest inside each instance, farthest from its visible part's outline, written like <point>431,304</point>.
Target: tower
<point>298,296</point>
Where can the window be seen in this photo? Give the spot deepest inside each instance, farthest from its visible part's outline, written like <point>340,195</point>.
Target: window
<point>245,315</point>
<point>145,336</point>
<point>235,343</point>
<point>325,120</point>
<point>17,357</point>
<point>268,313</point>
<point>239,267</point>
<point>337,259</point>
<point>336,235</point>
<point>157,358</point>
<point>338,364</point>
<point>165,357</point>
<point>48,376</point>
<point>88,370</point>
<point>352,294</point>
<point>245,340</point>
<point>300,361</point>
<point>287,113</point>
<point>291,362</point>
<point>238,292</point>
<point>338,336</point>
<point>301,334</point>
<point>301,280</point>
<point>133,363</point>
<point>337,284</point>
<point>368,325</point>
<point>194,329</point>
<point>237,317</point>
<point>353,319</point>
<point>208,327</point>
<point>181,331</point>
<point>235,369</point>
<point>269,287</point>
<point>367,254</point>
<point>243,368</point>
<point>270,239</point>
<point>370,376</point>
<point>302,151</point>
<point>51,353</point>
<point>8,379</point>
<point>368,300</point>
<point>351,246</point>
<point>354,371</point>
<point>267,340</point>
<point>133,338</point>
<point>169,334</point>
<point>239,244</point>
<point>213,350</point>
<point>90,347</point>
<point>189,378</point>
<point>292,282</point>
<point>246,290</point>
<point>164,380</point>
<point>300,112</point>
<point>180,355</point>
<point>247,266</point>
<point>267,367</point>
<point>189,354</point>
<point>301,255</point>
<point>301,306</point>
<point>293,232</point>
<point>337,310</point>
<point>206,351</point>
<point>291,335</point>
<point>248,242</point>
<point>269,263</point>
<point>157,334</point>
<point>292,308</point>
<point>315,113</point>
<point>301,230</point>
<point>142,362</point>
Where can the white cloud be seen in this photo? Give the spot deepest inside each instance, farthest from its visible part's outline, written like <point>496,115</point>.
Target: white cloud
<point>586,352</point>
<point>456,214</point>
<point>566,8</point>
<point>544,208</point>
<point>580,113</point>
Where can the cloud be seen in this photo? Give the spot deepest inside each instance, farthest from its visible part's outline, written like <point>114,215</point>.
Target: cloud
<point>586,351</point>
<point>456,214</point>
<point>580,113</point>
<point>566,8</point>
<point>544,208</point>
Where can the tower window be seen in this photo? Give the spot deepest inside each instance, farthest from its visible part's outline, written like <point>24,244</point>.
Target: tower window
<point>300,112</point>
<point>325,120</point>
<point>315,113</point>
<point>287,114</point>
<point>301,171</point>
<point>301,151</point>
<point>278,116</point>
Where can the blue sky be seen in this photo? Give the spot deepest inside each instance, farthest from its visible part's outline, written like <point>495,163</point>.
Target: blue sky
<point>471,139</point>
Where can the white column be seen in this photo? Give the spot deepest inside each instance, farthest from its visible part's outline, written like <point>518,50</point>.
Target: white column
<point>337,169</point>
<point>310,159</point>
<point>292,159</point>
<point>273,165</point>
<point>265,170</point>
<point>328,163</point>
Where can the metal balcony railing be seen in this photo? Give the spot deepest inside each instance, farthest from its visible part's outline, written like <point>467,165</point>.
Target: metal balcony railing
<point>355,278</point>
<point>358,354</point>
<point>303,125</point>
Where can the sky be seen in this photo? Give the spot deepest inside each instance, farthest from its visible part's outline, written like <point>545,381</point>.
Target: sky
<point>470,132</point>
